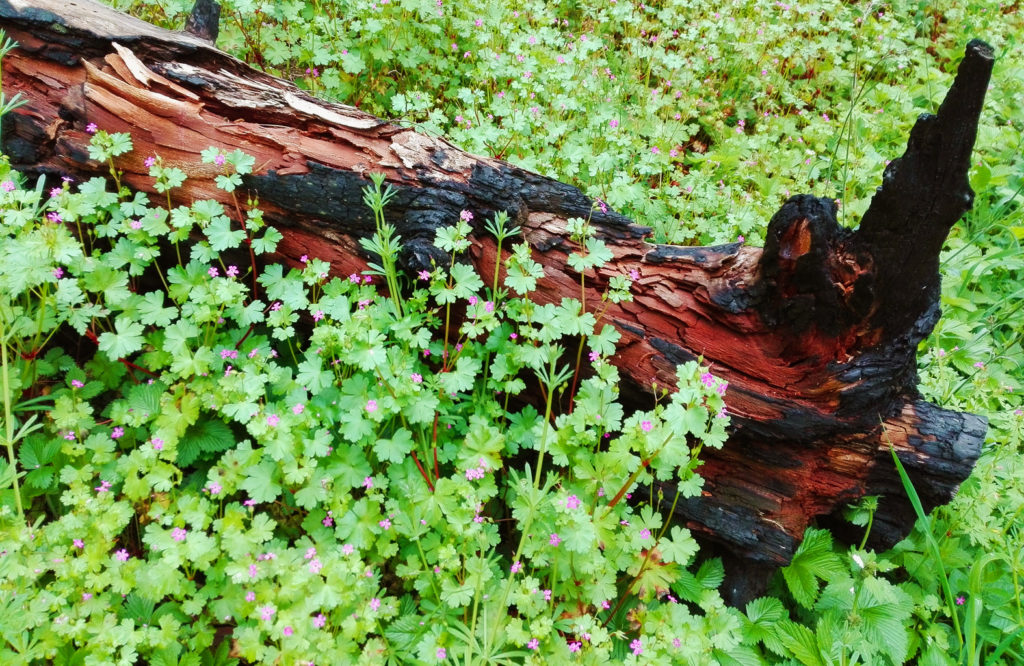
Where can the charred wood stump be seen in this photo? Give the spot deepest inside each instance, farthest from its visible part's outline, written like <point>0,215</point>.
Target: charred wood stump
<point>816,333</point>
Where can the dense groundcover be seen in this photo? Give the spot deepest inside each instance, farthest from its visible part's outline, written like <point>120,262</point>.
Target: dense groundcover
<point>210,459</point>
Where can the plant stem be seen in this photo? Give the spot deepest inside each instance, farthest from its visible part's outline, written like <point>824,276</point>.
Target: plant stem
<point>8,422</point>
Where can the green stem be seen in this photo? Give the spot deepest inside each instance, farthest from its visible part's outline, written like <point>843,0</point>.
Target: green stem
<point>8,422</point>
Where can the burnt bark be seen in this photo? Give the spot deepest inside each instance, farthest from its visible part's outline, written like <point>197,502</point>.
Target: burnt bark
<point>816,332</point>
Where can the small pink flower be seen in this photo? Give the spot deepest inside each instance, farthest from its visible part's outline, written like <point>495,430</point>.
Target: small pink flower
<point>213,272</point>
<point>416,378</point>
<point>547,595</point>
<point>158,444</point>
<point>215,488</point>
<point>371,406</point>
<point>219,160</point>
<point>961,600</point>
<point>232,271</point>
<point>573,502</point>
<point>273,420</point>
<point>91,128</point>
<point>78,543</point>
<point>76,384</point>
<point>250,596</point>
<point>315,566</point>
<point>516,567</point>
<point>56,192</point>
<point>574,646</point>
<point>253,571</point>
<point>646,426</point>
<point>386,524</point>
<point>424,275</point>
<point>267,612</point>
<point>347,549</point>
<point>368,482</point>
<point>554,540</point>
<point>288,631</point>
<point>298,409</point>
<point>676,643</point>
<point>320,620</point>
<point>178,534</point>
<point>374,604</point>
<point>149,161</point>
<point>637,647</point>
<point>533,644</point>
<point>135,224</point>
<point>86,596</point>
<point>54,217</point>
<point>466,216</point>
<point>645,534</point>
<point>122,555</point>
<point>613,123</point>
<point>442,654</point>
<point>8,186</point>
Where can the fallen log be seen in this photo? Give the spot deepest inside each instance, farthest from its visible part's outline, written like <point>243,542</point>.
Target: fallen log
<point>816,333</point>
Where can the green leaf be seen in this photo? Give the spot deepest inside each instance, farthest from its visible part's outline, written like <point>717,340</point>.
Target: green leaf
<point>126,340</point>
<point>208,435</point>
<point>396,449</point>
<point>813,561</point>
<point>261,482</point>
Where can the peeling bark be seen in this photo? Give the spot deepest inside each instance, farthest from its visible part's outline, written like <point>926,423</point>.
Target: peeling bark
<point>816,332</point>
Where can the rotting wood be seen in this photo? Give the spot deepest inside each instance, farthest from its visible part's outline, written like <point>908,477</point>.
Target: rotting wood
<point>816,333</point>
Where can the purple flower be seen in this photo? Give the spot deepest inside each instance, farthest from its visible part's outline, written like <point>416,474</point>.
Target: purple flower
<point>320,620</point>
<point>442,654</point>
<point>55,192</point>
<point>516,567</point>
<point>288,631</point>
<point>250,596</point>
<point>636,646</point>
<point>58,272</point>
<point>425,275</point>
<point>466,216</point>
<point>91,128</point>
<point>315,566</point>
<point>374,604</point>
<point>368,482</point>
<point>178,534</point>
<point>573,502</point>
<point>117,433</point>
<point>135,224</point>
<point>215,488</point>
<point>78,543</point>
<point>149,161</point>
<point>574,646</point>
<point>232,271</point>
<point>122,555</point>
<point>54,217</point>
<point>416,378</point>
<point>371,406</point>
<point>267,612</point>
<point>219,160</point>
<point>386,524</point>
<point>273,420</point>
<point>533,644</point>
<point>960,600</point>
<point>676,643</point>
<point>158,444</point>
<point>298,409</point>
<point>318,315</point>
<point>646,426</point>
<point>554,540</point>
<point>8,186</point>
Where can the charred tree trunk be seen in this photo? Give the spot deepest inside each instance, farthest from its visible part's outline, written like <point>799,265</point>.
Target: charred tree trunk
<point>816,332</point>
